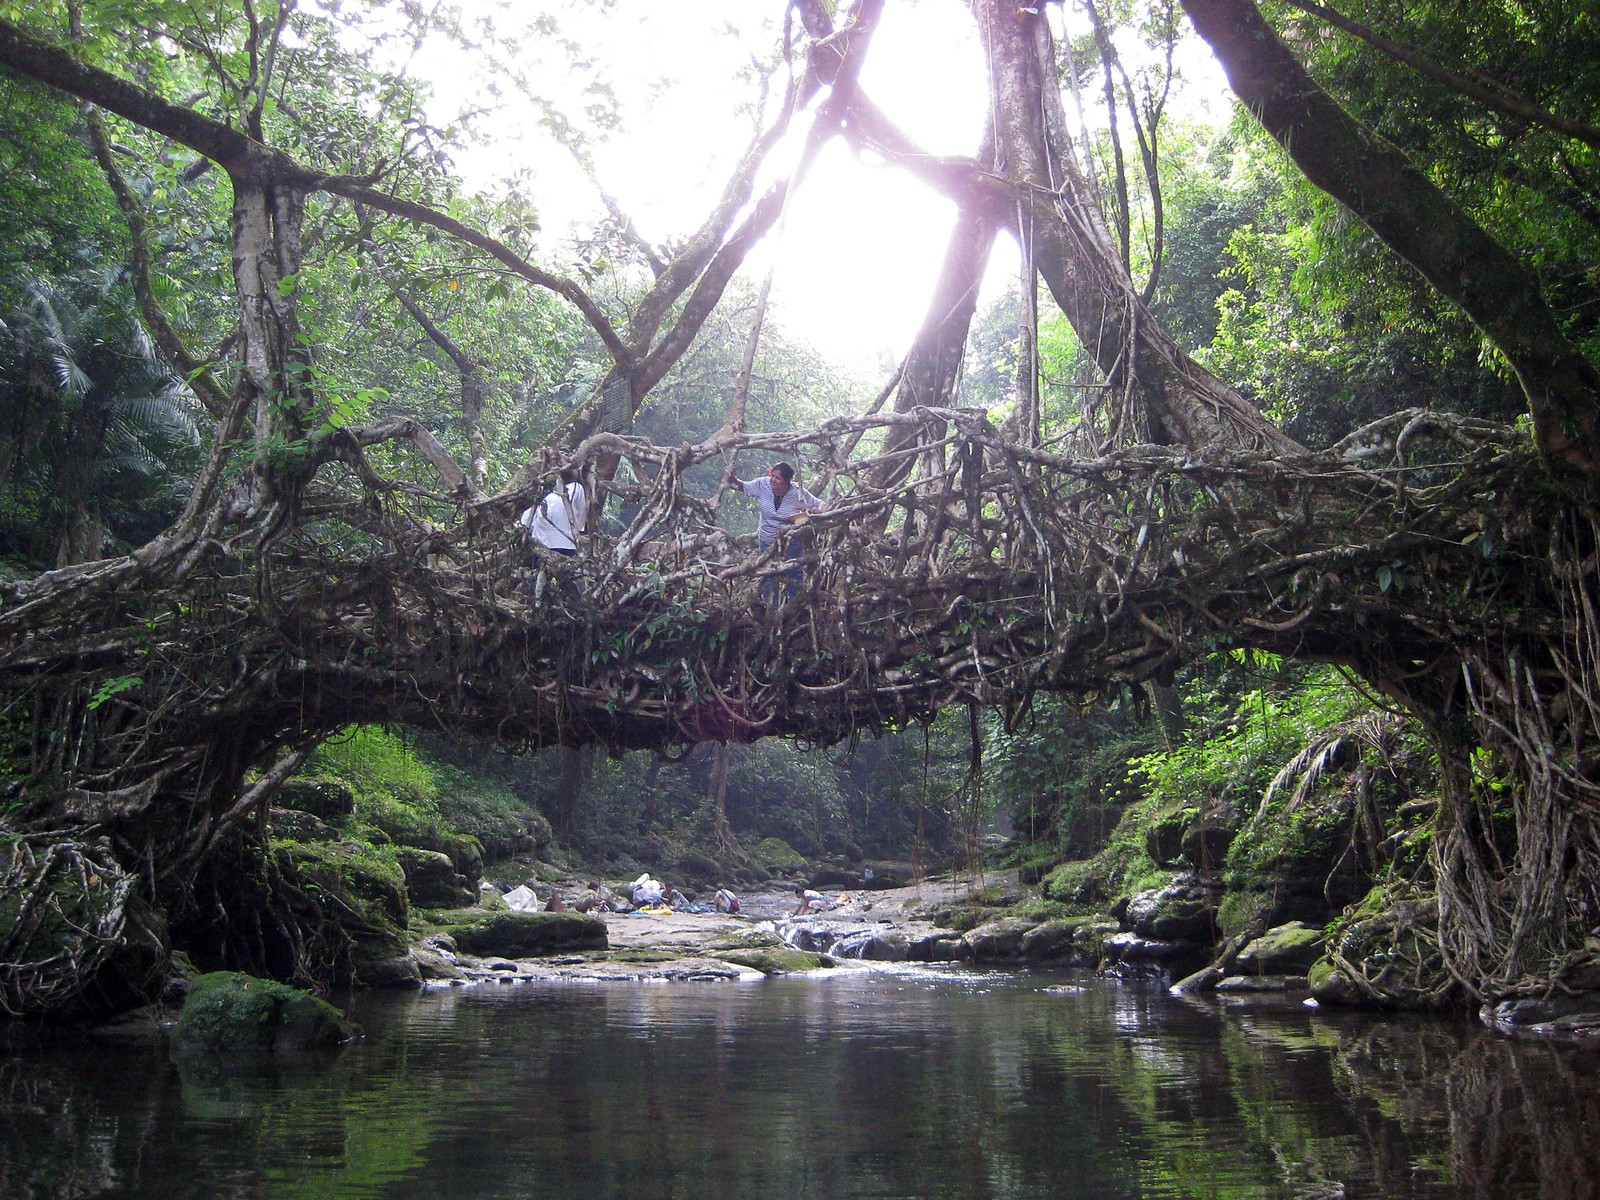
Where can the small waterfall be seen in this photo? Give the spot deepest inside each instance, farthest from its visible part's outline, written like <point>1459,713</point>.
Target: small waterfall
<point>865,944</point>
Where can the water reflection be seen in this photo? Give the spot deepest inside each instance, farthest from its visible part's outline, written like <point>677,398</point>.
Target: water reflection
<point>880,1082</point>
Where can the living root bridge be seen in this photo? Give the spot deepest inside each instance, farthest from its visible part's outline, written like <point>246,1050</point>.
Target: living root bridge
<point>990,571</point>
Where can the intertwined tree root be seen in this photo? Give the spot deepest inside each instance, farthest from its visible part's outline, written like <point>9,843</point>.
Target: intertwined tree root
<point>963,567</point>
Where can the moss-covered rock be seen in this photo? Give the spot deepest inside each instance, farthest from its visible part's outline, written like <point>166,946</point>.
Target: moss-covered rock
<point>1288,949</point>
<point>364,877</point>
<point>1298,863</point>
<point>1073,940</point>
<point>1206,838</point>
<point>1180,911</point>
<point>1238,911</point>
<point>406,827</point>
<point>776,855</point>
<point>227,1012</point>
<point>293,825</point>
<point>697,869</point>
<point>1330,985</point>
<point>776,960</point>
<point>1163,833</point>
<point>360,890</point>
<point>432,880</point>
<point>327,799</point>
<point>963,918</point>
<point>998,941</point>
<point>521,934</point>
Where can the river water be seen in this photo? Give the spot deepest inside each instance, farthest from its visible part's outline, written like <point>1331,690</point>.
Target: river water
<point>931,1081</point>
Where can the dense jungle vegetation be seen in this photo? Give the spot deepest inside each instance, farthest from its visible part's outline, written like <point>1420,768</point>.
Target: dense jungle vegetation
<point>390,352</point>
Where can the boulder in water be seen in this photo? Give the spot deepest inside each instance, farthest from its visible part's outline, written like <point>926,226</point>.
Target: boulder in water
<point>229,1012</point>
<point>1286,950</point>
<point>999,941</point>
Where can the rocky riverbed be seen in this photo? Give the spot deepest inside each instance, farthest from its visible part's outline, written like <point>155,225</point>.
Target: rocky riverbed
<point>764,938</point>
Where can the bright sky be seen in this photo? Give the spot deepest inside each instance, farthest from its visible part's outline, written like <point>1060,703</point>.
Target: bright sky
<point>859,245</point>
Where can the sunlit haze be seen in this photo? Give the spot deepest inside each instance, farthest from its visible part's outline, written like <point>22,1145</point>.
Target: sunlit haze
<point>859,245</point>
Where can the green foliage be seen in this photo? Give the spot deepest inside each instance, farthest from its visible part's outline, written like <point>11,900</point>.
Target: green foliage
<point>1121,867</point>
<point>1063,759</point>
<point>56,214</point>
<point>1238,755</point>
<point>378,766</point>
<point>1531,187</point>
<point>96,433</point>
<point>480,805</point>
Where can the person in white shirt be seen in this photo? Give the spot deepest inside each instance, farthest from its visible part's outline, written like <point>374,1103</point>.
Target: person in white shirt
<point>810,901</point>
<point>556,521</point>
<point>781,502</point>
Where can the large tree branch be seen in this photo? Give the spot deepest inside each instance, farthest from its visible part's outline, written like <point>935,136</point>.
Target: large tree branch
<point>51,65</point>
<point>934,362</point>
<point>250,162</point>
<point>1372,178</point>
<point>359,190</point>
<point>836,63</point>
<point>1488,92</point>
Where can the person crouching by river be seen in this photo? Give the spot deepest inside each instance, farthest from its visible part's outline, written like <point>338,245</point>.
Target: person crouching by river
<point>810,901</point>
<point>598,898</point>
<point>781,502</point>
<point>726,901</point>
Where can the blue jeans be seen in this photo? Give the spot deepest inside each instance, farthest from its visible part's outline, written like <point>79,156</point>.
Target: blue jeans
<point>789,581</point>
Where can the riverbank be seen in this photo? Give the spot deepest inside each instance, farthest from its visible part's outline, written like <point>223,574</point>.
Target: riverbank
<point>711,946</point>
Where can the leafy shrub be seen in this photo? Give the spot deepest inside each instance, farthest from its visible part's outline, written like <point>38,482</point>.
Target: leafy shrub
<point>1244,751</point>
<point>378,766</point>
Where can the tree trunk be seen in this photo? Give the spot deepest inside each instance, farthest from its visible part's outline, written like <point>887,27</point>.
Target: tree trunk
<point>1164,395</point>
<point>1372,178</point>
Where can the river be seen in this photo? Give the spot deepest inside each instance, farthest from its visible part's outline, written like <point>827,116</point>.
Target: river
<point>861,1082</point>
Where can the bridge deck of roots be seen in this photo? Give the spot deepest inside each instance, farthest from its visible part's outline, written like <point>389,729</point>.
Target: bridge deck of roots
<point>965,567</point>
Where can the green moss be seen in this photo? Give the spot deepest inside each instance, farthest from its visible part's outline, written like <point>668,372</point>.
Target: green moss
<point>644,957</point>
<point>755,939</point>
<point>1312,834</point>
<point>364,877</point>
<point>776,961</point>
<point>777,855</point>
<point>1123,865</point>
<point>1044,909</point>
<point>966,917</point>
<point>1064,881</point>
<point>227,1011</point>
<point>519,934</point>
